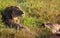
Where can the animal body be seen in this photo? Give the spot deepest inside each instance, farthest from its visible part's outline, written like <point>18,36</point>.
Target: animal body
<point>55,28</point>
<point>10,17</point>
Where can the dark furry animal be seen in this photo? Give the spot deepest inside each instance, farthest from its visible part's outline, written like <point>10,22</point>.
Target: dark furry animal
<point>10,17</point>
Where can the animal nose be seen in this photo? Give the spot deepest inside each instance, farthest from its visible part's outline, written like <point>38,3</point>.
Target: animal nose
<point>23,15</point>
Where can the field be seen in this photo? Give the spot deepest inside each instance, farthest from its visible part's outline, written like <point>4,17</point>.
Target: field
<point>36,12</point>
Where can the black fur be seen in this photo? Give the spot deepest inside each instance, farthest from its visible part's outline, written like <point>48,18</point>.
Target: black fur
<point>9,13</point>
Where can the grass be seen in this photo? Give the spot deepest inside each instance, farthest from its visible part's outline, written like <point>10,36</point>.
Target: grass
<point>5,33</point>
<point>36,12</point>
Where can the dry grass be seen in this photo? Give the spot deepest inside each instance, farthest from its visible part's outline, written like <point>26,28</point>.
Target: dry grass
<point>12,33</point>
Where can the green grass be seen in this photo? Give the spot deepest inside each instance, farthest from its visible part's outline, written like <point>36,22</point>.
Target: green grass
<point>36,12</point>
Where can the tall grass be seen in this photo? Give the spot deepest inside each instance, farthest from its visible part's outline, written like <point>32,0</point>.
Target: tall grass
<point>36,12</point>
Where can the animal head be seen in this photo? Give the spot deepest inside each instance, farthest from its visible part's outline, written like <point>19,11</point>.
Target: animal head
<point>12,11</point>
